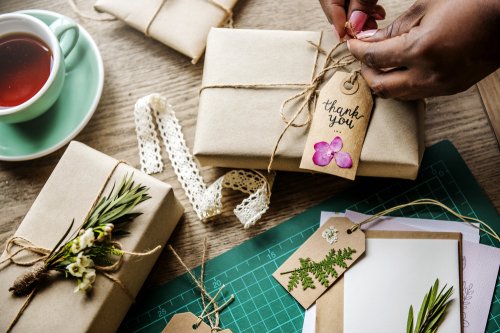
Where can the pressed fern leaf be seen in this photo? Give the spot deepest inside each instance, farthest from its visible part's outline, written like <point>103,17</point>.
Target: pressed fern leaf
<point>321,271</point>
<point>432,310</point>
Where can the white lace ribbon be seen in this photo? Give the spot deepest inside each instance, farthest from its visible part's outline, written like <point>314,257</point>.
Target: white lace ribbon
<point>206,200</point>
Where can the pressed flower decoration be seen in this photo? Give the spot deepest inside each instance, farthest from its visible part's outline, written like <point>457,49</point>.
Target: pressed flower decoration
<point>331,235</point>
<point>92,249</point>
<point>325,152</point>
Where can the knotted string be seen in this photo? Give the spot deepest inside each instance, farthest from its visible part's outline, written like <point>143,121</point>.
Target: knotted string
<point>466,219</point>
<point>307,95</point>
<point>24,244</point>
<point>228,19</point>
<point>77,11</point>
<point>204,294</point>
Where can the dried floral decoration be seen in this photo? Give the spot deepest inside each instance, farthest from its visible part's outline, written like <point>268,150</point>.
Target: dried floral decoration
<point>331,235</point>
<point>92,248</point>
<point>320,271</point>
<point>325,152</point>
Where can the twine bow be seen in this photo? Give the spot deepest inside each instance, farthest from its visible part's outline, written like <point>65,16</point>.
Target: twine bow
<point>228,18</point>
<point>214,323</point>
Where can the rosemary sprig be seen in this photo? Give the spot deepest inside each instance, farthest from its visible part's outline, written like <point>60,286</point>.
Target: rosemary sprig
<point>432,310</point>
<point>320,270</point>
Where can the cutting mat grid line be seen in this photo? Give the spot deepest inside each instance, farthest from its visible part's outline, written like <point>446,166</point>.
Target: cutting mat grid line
<point>261,304</point>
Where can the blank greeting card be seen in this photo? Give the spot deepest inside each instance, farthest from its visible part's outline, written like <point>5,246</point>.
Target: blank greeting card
<point>397,271</point>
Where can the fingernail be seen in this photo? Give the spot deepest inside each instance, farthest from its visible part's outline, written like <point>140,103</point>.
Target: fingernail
<point>366,34</point>
<point>335,32</point>
<point>358,20</point>
<point>377,16</point>
<point>348,46</point>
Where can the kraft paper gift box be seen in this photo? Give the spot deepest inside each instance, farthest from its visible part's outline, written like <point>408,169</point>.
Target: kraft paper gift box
<point>239,127</point>
<point>69,194</point>
<point>180,24</point>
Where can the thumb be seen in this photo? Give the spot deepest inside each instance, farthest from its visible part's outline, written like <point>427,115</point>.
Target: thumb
<point>403,24</point>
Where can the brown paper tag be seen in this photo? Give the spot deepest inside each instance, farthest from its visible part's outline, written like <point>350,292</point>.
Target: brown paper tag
<point>186,323</point>
<point>339,127</point>
<point>333,250</point>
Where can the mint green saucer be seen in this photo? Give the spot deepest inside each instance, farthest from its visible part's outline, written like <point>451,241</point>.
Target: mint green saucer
<point>71,112</point>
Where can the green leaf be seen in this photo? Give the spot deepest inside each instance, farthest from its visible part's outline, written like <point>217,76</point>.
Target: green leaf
<point>432,310</point>
<point>409,324</point>
<point>320,270</point>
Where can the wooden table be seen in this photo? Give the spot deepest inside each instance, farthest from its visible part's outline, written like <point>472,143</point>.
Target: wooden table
<point>136,66</point>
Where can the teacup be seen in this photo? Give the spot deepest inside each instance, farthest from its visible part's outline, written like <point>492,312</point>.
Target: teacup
<point>26,42</point>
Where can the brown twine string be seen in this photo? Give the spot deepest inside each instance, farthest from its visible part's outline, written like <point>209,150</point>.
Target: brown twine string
<point>77,10</point>
<point>466,219</point>
<point>307,95</point>
<point>21,310</point>
<point>26,245</point>
<point>199,283</point>
<point>228,17</point>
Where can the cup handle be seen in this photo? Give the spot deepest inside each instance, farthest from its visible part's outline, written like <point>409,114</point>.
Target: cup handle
<point>67,32</point>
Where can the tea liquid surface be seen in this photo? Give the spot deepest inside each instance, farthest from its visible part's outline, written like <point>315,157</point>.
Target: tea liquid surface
<point>25,63</point>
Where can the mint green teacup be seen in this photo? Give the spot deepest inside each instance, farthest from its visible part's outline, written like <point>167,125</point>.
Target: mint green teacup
<point>61,37</point>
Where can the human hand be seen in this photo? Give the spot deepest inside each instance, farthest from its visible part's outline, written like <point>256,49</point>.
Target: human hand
<point>362,14</point>
<point>437,47</point>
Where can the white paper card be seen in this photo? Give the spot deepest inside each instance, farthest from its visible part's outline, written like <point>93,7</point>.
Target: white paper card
<point>394,274</point>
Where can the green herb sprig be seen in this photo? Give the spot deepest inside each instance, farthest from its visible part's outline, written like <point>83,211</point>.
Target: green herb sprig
<point>432,310</point>
<point>321,271</point>
<point>92,246</point>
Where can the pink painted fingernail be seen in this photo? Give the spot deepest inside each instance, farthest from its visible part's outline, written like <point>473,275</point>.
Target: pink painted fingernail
<point>377,16</point>
<point>366,34</point>
<point>358,20</point>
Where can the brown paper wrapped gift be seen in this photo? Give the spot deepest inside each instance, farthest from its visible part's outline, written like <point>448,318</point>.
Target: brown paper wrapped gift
<point>181,24</point>
<point>239,127</point>
<point>69,194</point>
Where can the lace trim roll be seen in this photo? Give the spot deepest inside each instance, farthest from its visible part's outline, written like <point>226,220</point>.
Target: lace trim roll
<point>206,200</point>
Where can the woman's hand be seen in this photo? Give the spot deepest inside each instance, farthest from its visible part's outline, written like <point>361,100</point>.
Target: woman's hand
<point>438,47</point>
<point>361,14</point>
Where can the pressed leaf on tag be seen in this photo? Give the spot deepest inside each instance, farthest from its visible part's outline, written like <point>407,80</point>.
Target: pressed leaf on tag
<point>319,262</point>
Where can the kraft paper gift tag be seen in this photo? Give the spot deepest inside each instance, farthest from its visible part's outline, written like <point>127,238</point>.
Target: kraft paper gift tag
<point>250,118</point>
<point>68,194</point>
<point>333,249</point>
<point>187,322</point>
<point>398,269</point>
<point>339,126</point>
<point>180,24</point>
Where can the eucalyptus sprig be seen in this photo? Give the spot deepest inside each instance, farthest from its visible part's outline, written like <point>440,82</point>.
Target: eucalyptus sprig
<point>92,247</point>
<point>319,270</point>
<point>432,310</point>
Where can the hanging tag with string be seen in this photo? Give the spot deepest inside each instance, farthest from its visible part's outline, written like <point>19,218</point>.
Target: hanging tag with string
<point>188,322</point>
<point>339,126</point>
<point>321,260</point>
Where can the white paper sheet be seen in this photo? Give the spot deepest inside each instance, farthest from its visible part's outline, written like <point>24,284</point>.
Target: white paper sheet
<point>394,274</point>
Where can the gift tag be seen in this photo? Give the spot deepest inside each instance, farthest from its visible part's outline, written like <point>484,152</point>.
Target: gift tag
<point>186,323</point>
<point>321,260</point>
<point>339,126</point>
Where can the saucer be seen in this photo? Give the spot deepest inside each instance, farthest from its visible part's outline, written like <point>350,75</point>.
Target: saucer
<point>71,112</point>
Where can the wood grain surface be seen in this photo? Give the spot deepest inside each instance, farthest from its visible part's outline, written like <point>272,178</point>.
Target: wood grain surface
<point>489,89</point>
<point>136,66</point>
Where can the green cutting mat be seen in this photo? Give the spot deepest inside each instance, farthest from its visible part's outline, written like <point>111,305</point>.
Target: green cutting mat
<point>261,304</point>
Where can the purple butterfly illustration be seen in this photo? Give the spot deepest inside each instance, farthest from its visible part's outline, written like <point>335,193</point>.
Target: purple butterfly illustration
<point>326,152</point>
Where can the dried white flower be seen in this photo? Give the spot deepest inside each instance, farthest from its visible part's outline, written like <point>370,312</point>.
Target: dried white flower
<point>330,234</point>
<point>84,260</point>
<point>87,239</point>
<point>75,269</point>
<point>87,281</point>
